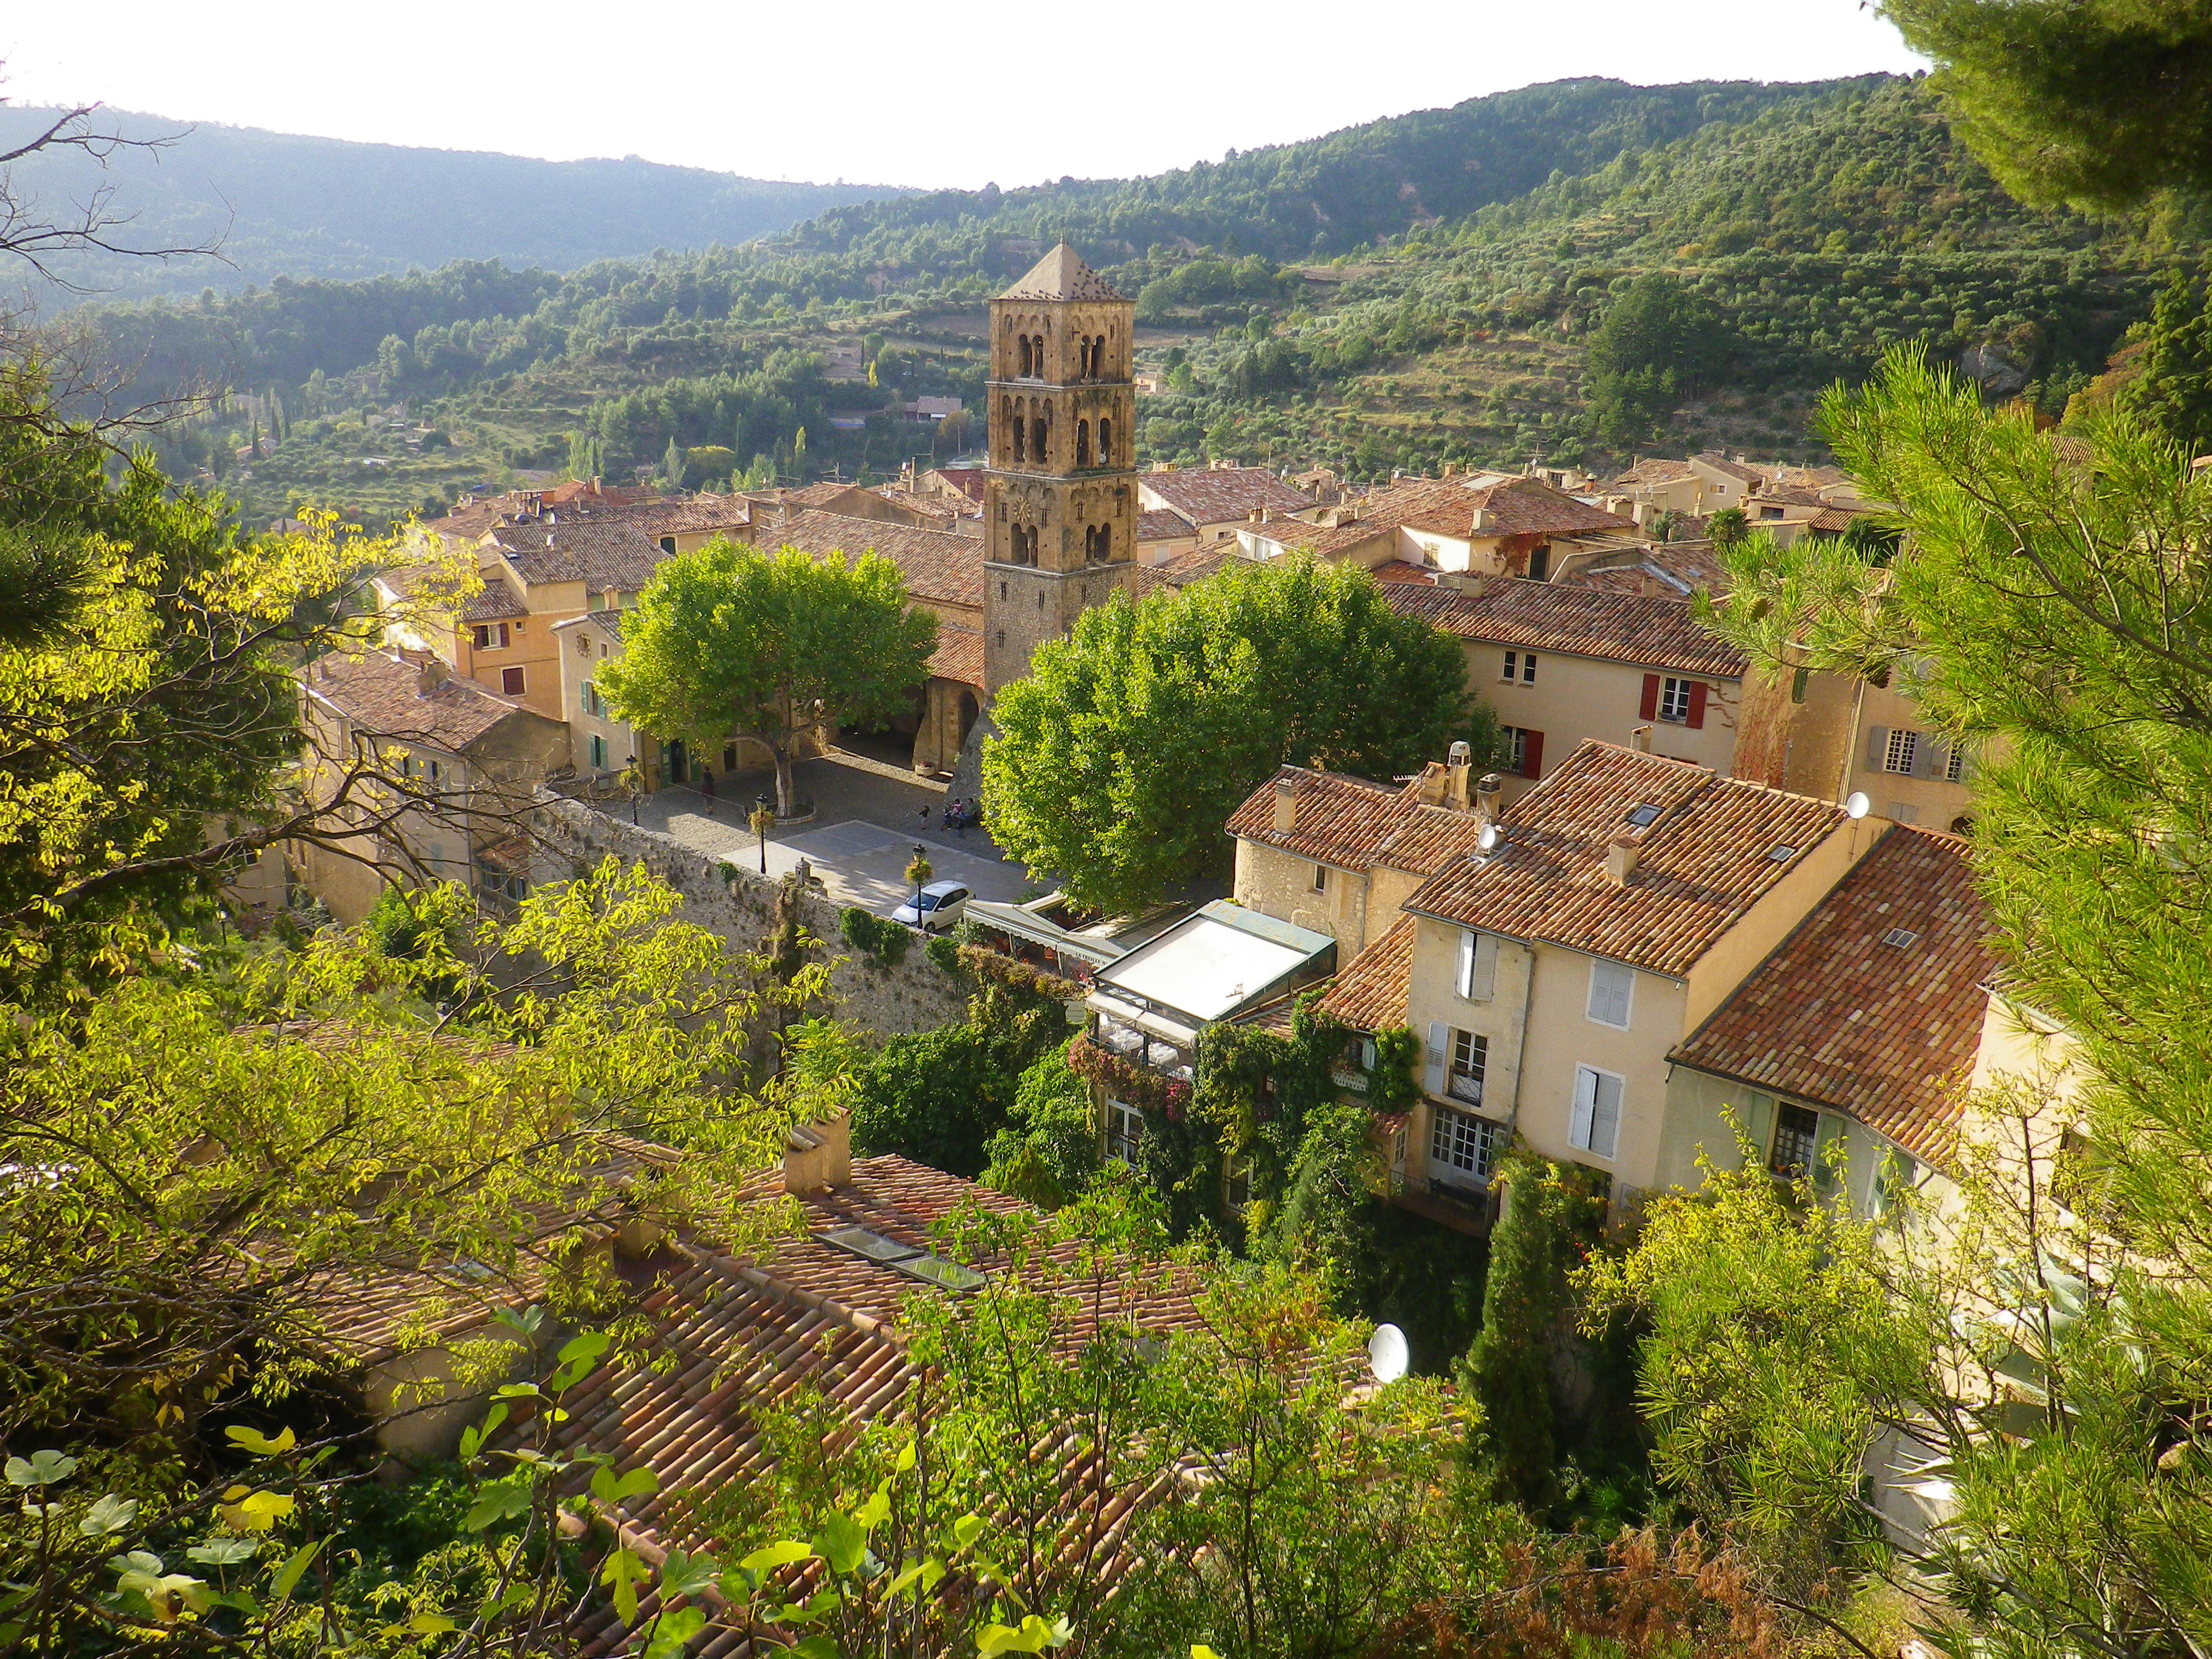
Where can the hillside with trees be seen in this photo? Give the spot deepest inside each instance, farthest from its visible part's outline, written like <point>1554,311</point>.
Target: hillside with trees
<point>282,204</point>
<point>1445,286</point>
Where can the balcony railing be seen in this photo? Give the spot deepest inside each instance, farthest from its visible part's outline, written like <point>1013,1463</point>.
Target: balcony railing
<point>1464,1085</point>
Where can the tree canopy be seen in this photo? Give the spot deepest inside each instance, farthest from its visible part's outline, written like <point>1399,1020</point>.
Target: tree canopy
<point>2098,104</point>
<point>1127,745</point>
<point>732,641</point>
<point>1658,343</point>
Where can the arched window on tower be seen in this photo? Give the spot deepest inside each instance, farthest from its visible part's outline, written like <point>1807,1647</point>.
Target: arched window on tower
<point>1083,443</point>
<point>1105,442</point>
<point>1020,428</point>
<point>1105,544</point>
<point>1040,437</point>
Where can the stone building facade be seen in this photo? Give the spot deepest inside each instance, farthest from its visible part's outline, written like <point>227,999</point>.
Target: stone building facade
<point>1061,494</point>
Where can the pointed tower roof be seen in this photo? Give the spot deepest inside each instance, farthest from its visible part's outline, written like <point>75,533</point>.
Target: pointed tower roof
<point>1060,275</point>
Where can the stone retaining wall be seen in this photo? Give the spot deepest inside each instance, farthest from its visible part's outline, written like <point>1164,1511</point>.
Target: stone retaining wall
<point>738,901</point>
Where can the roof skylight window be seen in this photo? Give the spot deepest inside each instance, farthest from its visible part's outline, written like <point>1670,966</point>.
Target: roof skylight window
<point>1900,938</point>
<point>1781,852</point>
<point>1642,817</point>
<point>885,1252</point>
<point>908,1259</point>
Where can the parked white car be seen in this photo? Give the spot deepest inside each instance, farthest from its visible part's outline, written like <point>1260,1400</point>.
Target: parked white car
<point>942,904</point>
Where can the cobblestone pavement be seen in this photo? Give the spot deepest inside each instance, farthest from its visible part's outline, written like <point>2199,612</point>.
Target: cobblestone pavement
<point>868,816</point>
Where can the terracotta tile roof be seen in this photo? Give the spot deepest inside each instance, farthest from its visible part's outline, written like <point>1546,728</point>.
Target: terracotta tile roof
<point>1222,495</point>
<point>734,1335</point>
<point>1060,275</point>
<point>600,553</point>
<point>382,695</point>
<point>1193,564</point>
<point>1355,825</point>
<point>968,480</point>
<point>1512,506</point>
<point>1650,633</point>
<point>958,656</point>
<point>818,494</point>
<point>938,510</point>
<point>1812,478</point>
<point>495,604</point>
<point>1849,1013</point>
<point>938,565</point>
<point>1701,863</point>
<point>471,522</point>
<point>1398,570</point>
<point>1771,494</point>
<point>1161,526</point>
<point>1275,1018</point>
<point>1370,994</point>
<point>1656,570</point>
<point>1737,470</point>
<point>1836,519</point>
<point>666,516</point>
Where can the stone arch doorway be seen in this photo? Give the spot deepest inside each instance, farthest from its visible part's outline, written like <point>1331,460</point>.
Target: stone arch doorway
<point>970,708</point>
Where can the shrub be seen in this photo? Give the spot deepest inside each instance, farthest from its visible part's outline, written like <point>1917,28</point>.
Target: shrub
<point>883,943</point>
<point>1048,1150</point>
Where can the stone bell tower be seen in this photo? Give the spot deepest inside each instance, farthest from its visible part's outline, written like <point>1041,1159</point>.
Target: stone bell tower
<point>1060,512</point>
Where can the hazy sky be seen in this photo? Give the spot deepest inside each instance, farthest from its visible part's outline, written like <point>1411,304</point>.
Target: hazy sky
<point>863,90</point>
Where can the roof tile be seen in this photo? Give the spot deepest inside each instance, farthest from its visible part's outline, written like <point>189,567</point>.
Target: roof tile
<point>1651,633</point>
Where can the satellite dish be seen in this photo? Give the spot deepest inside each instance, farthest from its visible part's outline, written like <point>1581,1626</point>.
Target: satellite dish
<point>1858,805</point>
<point>1488,839</point>
<point>1387,1356</point>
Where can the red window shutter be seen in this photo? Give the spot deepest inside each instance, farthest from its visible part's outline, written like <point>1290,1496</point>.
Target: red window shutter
<point>1532,755</point>
<point>1697,704</point>
<point>1650,708</point>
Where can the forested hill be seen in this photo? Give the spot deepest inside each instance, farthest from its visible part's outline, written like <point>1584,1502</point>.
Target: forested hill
<point>282,204</point>
<point>1309,200</point>
<point>1430,288</point>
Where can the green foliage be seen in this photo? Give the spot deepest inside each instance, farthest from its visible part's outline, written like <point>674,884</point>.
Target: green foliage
<point>1326,1204</point>
<point>1048,1150</point>
<point>940,1097</point>
<point>2079,690</point>
<point>1659,343</point>
<point>1126,747</point>
<point>2099,105</point>
<point>1525,1305</point>
<point>2172,387</point>
<point>732,640</point>
<point>1728,527</point>
<point>883,942</point>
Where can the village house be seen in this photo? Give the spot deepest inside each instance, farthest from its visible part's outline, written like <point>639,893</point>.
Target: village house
<point>465,761</point>
<point>1552,971</point>
<point>540,566</point>
<point>1217,501</point>
<point>1560,664</point>
<point>1481,524</point>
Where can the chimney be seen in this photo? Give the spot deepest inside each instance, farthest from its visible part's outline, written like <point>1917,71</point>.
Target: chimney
<point>1456,771</point>
<point>1621,859</point>
<point>1488,790</point>
<point>1286,805</point>
<point>1640,739</point>
<point>818,1156</point>
<point>430,675</point>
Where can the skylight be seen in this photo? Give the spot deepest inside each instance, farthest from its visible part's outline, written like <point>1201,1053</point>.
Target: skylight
<point>1781,852</point>
<point>908,1259</point>
<point>1901,938</point>
<point>1642,817</point>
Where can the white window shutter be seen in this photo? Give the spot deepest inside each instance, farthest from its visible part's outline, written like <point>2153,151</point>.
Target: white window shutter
<point>1484,984</point>
<point>1433,1079</point>
<point>1877,749</point>
<point>1578,1120</point>
<point>1610,987</point>
<point>1605,1114</point>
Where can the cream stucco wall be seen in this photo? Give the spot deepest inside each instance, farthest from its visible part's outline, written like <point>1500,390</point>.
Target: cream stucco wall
<point>1931,803</point>
<point>1280,885</point>
<point>1575,698</point>
<point>1697,1126</point>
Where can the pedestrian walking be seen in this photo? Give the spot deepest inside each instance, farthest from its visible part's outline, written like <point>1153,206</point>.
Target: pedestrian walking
<point>707,788</point>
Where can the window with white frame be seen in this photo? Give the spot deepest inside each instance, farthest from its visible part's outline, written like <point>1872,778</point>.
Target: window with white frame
<point>1611,989</point>
<point>1674,700</point>
<point>1460,1144</point>
<point>1320,879</point>
<point>1125,1127</point>
<point>1470,1058</point>
<point>1954,764</point>
<point>491,636</point>
<point>1520,668</point>
<point>1594,1121</point>
<point>1902,749</point>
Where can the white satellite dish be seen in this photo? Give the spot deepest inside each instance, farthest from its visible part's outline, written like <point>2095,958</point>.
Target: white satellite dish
<point>1386,1354</point>
<point>1487,840</point>
<point>1858,805</point>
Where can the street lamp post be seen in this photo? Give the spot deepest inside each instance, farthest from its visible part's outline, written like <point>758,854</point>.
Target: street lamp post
<point>918,873</point>
<point>764,820</point>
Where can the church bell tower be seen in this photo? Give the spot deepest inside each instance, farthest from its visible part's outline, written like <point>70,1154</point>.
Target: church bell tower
<point>1060,495</point>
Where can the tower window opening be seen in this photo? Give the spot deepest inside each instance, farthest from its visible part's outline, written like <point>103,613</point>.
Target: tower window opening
<point>1037,439</point>
<point>1083,443</point>
<point>1105,442</point>
<point>1025,360</point>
